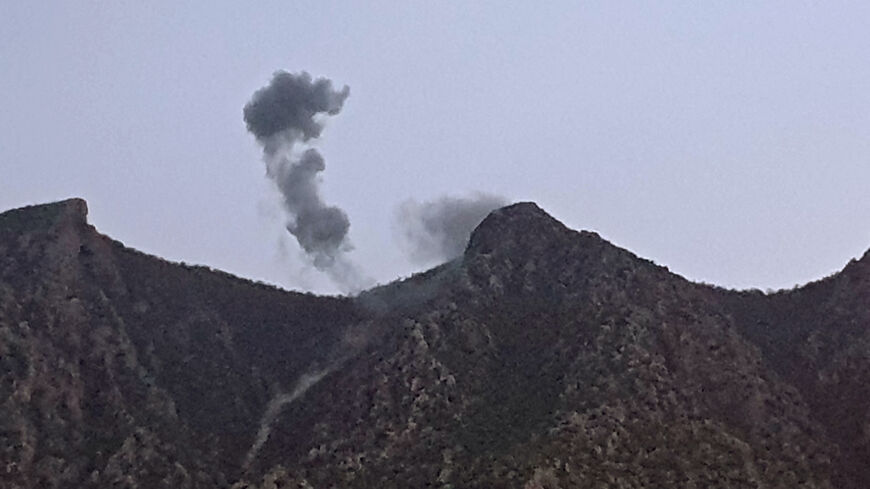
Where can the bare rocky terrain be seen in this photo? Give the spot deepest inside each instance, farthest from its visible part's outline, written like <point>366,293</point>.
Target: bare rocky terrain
<point>542,358</point>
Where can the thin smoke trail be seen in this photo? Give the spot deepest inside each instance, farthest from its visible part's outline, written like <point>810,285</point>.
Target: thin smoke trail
<point>353,340</point>
<point>277,404</point>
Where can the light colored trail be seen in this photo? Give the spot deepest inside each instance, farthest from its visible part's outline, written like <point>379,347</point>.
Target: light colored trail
<point>277,404</point>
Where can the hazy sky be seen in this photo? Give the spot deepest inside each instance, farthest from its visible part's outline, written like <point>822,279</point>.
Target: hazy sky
<point>728,142</point>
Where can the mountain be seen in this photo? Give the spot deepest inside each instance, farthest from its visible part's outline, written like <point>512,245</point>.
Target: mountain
<point>542,358</point>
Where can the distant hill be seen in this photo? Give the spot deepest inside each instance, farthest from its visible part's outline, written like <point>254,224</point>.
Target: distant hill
<point>542,358</point>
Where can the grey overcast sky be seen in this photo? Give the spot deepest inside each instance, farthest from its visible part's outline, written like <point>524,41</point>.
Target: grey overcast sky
<point>729,141</point>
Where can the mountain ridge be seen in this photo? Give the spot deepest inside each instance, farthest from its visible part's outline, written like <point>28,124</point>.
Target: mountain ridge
<point>543,357</point>
<point>74,211</point>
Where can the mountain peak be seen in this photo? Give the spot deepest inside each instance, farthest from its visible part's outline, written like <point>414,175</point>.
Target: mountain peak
<point>521,248</point>
<point>521,225</point>
<point>73,211</point>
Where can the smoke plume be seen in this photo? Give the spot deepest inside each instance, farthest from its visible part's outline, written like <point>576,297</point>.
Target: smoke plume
<point>283,116</point>
<point>439,230</point>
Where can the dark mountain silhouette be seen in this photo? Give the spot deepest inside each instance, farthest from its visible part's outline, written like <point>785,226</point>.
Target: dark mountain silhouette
<point>542,358</point>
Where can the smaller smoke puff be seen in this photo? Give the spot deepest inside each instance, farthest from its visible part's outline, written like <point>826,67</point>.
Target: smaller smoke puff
<point>439,230</point>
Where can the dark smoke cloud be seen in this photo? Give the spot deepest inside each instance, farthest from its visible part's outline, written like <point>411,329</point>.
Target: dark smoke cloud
<point>288,106</point>
<point>282,116</point>
<point>438,231</point>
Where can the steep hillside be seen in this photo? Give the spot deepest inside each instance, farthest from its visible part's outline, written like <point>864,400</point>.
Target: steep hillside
<point>117,366</point>
<point>543,358</point>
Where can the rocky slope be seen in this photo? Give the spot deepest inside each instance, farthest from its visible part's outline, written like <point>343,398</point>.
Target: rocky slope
<point>543,358</point>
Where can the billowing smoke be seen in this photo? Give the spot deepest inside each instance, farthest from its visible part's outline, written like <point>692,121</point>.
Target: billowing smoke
<point>286,111</point>
<point>283,116</point>
<point>438,231</point>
